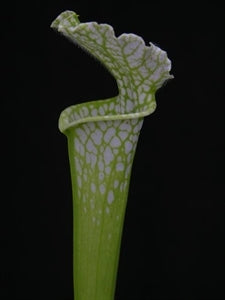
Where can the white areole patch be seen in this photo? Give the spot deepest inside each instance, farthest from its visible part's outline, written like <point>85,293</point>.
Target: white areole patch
<point>116,183</point>
<point>101,176</point>
<point>94,112</point>
<point>123,135</point>
<point>108,155</point>
<point>101,165</point>
<point>77,144</point>
<point>142,98</point>
<point>110,197</point>
<point>102,189</point>
<point>91,126</point>
<point>102,126</point>
<point>109,134</point>
<point>108,170</point>
<point>128,147</point>
<point>137,128</point>
<point>91,147</point>
<point>93,187</point>
<point>120,167</point>
<point>130,105</point>
<point>101,111</point>
<point>82,135</point>
<point>115,142</point>
<point>97,136</point>
<point>79,181</point>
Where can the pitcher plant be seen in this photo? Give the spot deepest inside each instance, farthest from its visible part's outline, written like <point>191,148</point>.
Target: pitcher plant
<point>102,138</point>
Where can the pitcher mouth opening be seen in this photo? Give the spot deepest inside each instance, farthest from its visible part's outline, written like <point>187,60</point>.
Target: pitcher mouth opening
<point>100,110</point>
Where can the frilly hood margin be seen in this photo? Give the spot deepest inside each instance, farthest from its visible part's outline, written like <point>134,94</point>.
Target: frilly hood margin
<point>138,69</point>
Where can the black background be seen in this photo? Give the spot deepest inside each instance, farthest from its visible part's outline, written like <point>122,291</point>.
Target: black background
<point>173,241</point>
